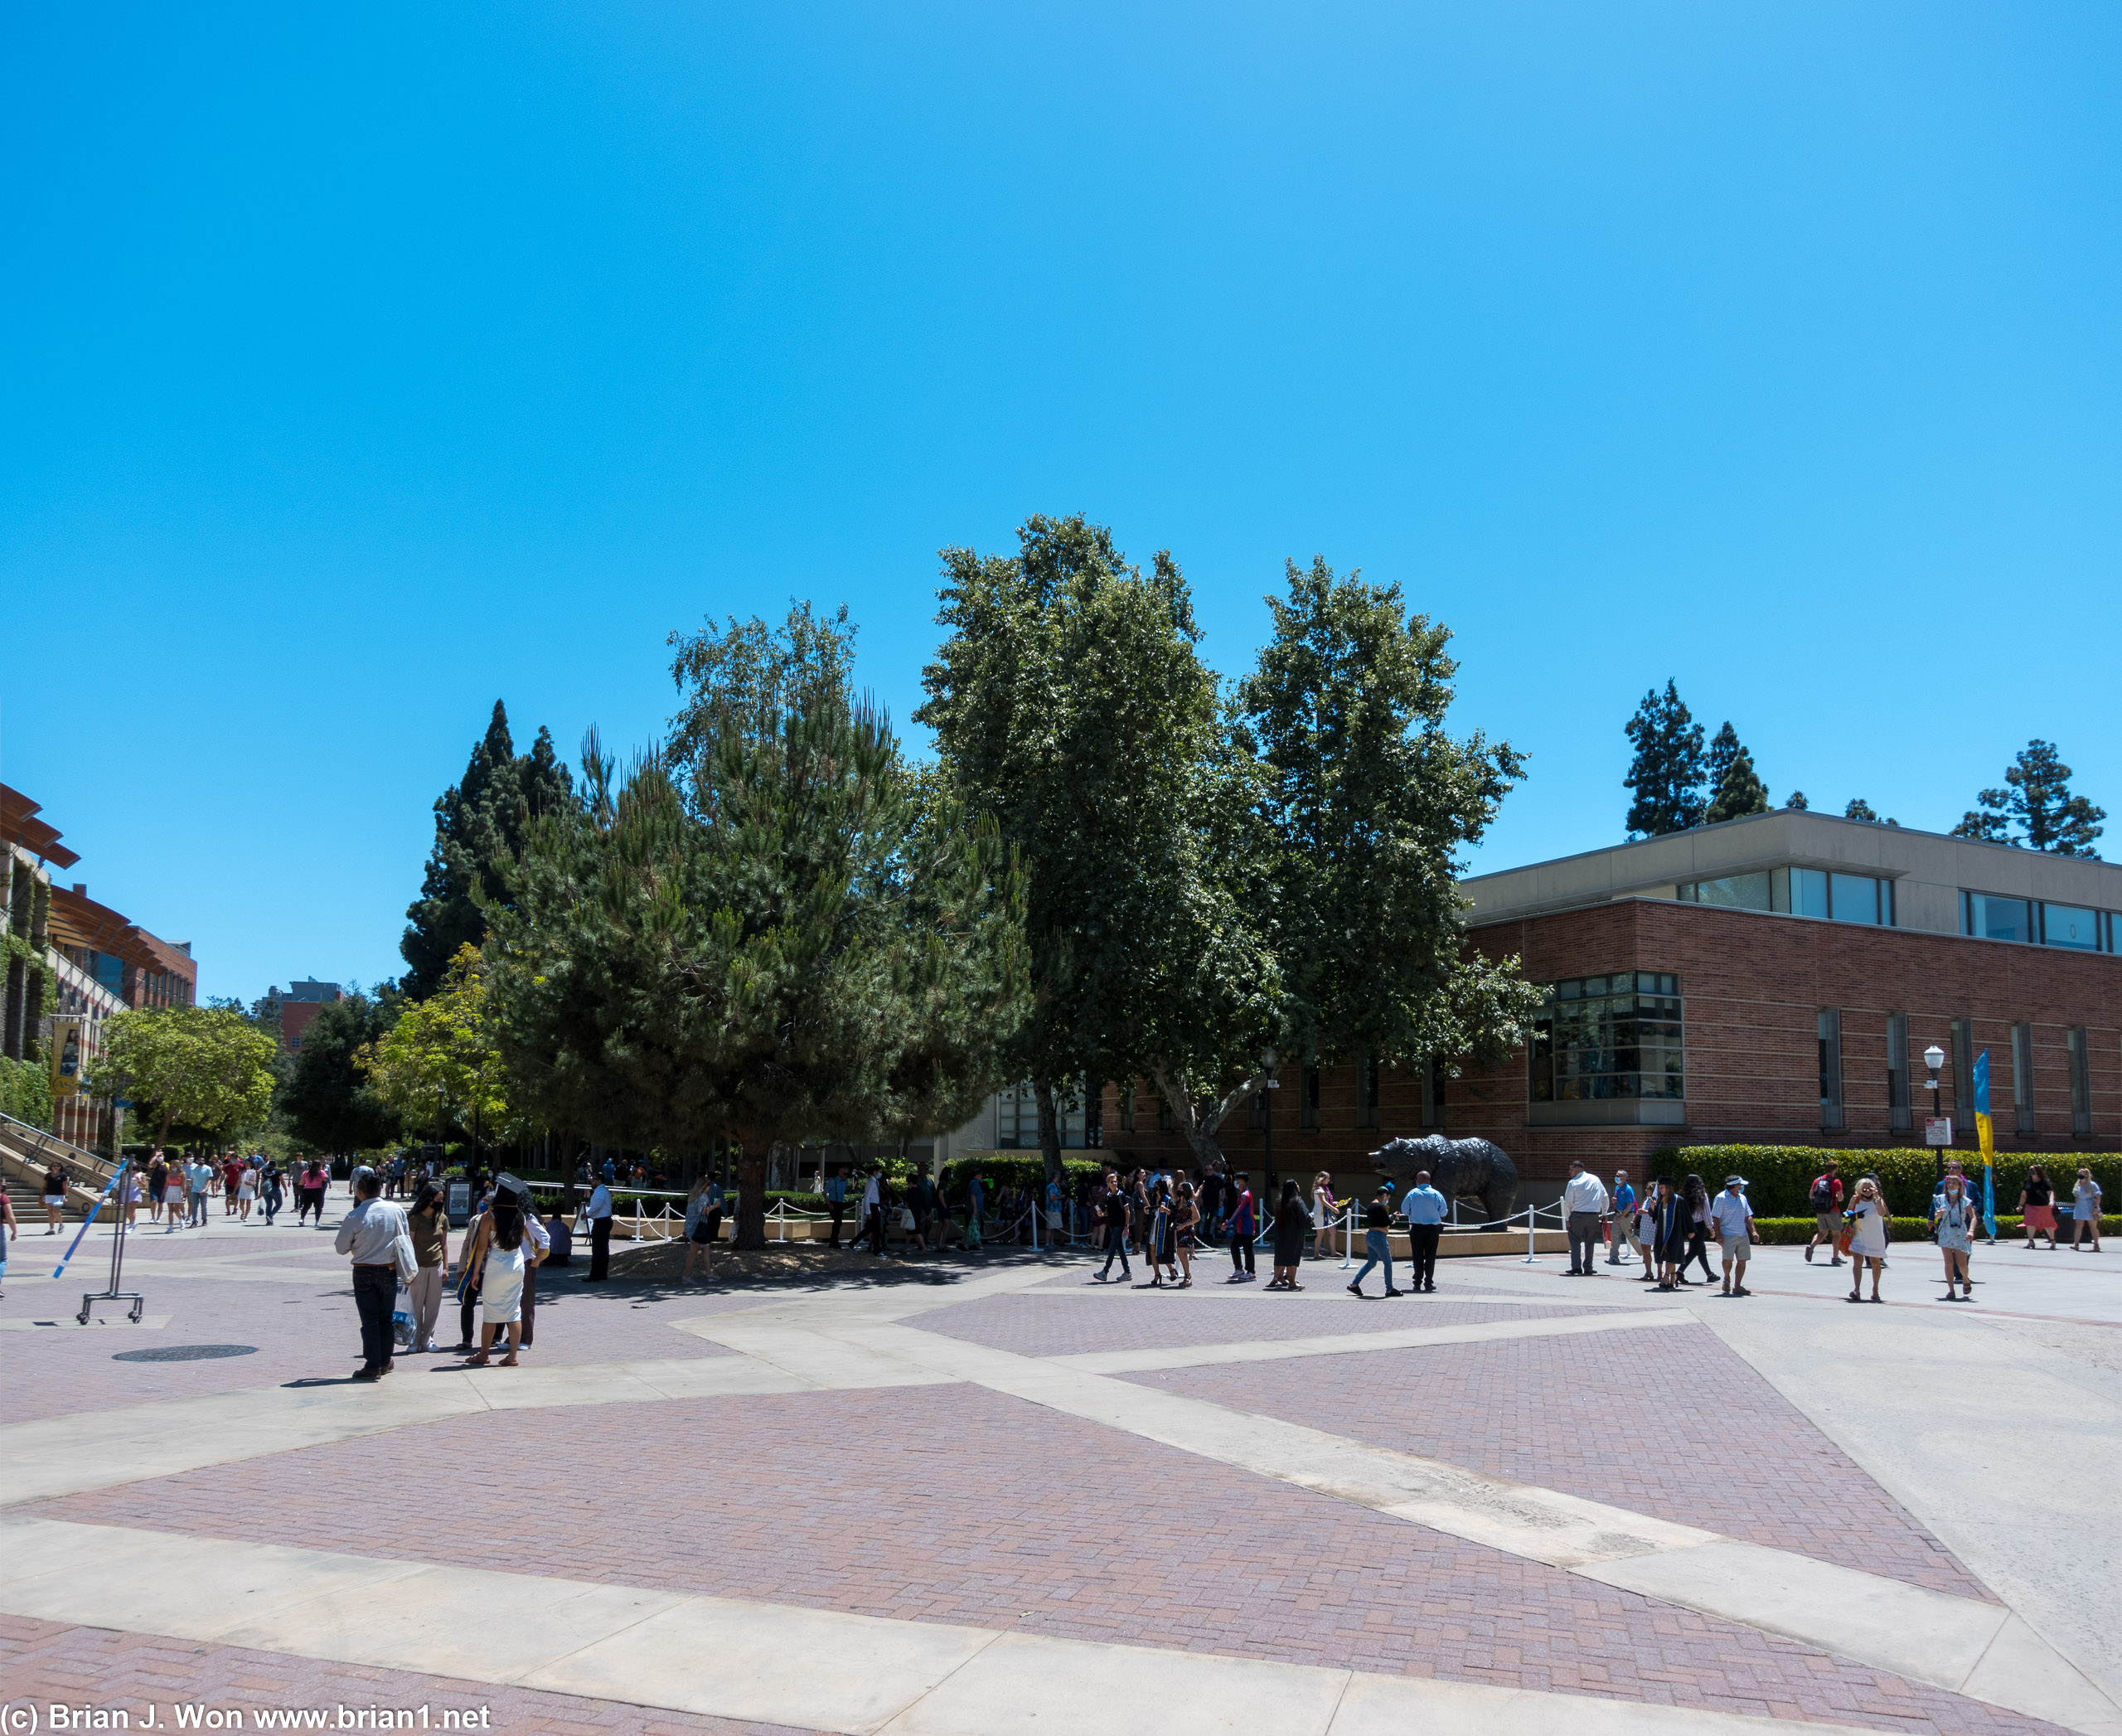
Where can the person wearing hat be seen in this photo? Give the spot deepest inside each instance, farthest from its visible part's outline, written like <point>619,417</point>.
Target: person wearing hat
<point>1734,1218</point>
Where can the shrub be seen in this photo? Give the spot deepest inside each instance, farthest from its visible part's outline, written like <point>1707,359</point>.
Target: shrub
<point>1017,1169</point>
<point>26,1092</point>
<point>1780,1177</point>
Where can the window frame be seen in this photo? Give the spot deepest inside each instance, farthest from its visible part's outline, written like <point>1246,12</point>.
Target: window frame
<point>2022,1106</point>
<point>1899,1118</point>
<point>1835,1115</point>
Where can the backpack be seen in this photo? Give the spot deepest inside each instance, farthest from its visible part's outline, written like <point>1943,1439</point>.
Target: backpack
<point>1823,1194</point>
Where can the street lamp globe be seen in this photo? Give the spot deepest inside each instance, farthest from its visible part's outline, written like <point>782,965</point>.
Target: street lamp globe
<point>1933,1058</point>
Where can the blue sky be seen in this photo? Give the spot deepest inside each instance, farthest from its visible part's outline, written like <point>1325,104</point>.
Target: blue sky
<point>363,364</point>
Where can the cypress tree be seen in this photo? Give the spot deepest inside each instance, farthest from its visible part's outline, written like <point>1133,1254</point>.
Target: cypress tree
<point>1667,771</point>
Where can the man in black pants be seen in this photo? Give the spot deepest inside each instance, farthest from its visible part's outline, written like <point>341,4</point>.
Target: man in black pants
<point>1241,1233</point>
<point>368,1234</point>
<point>600,1236</point>
<point>1116,1231</point>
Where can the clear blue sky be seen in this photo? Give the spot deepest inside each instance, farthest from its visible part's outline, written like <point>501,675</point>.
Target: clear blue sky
<point>362,364</point>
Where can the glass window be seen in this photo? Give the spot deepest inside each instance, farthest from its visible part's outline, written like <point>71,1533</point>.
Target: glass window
<point>2022,1076</point>
<point>1897,1112</point>
<point>2081,1084</point>
<point>1620,1040</point>
<point>1830,1040</point>
<point>1734,891</point>
<point>1991,917</point>
<point>1807,892</point>
<point>2065,925</point>
<point>1307,1097</point>
<point>1432,1095</point>
<point>1853,898</point>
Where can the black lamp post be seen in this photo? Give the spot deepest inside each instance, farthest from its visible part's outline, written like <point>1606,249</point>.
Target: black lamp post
<point>1933,1058</point>
<point>1267,1123</point>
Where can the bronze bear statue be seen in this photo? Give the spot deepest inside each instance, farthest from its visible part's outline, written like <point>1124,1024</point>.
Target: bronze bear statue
<point>1458,1168</point>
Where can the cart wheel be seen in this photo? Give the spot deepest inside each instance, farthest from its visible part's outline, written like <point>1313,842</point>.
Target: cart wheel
<point>137,1307</point>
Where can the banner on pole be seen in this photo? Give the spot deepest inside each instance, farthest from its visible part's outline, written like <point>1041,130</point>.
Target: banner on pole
<point>65,1057</point>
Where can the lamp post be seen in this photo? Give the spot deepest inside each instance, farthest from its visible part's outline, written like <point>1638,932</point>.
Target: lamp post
<point>1933,1058</point>
<point>1267,1123</point>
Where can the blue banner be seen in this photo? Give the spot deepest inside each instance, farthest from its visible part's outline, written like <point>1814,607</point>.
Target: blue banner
<point>1982,1083</point>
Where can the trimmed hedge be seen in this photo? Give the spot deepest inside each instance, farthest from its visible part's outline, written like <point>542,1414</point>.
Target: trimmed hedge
<point>1786,1232</point>
<point>1780,1177</point>
<point>1016,1169</point>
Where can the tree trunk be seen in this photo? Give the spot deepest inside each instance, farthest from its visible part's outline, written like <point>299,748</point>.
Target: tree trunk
<point>1049,1129</point>
<point>1200,1123</point>
<point>751,1195</point>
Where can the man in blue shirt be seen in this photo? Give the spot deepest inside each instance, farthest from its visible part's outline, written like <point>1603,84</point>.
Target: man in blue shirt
<point>834,1189</point>
<point>1424,1208</point>
<point>1624,1219</point>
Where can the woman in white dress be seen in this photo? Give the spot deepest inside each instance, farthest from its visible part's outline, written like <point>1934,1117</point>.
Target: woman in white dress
<point>1867,1241</point>
<point>246,1190</point>
<point>497,1255</point>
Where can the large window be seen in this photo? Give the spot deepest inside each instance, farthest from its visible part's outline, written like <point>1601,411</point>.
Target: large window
<point>2070,925</point>
<point>2022,1076</point>
<point>1800,892</point>
<point>1988,917</point>
<point>1366,1091</point>
<point>1607,1049</point>
<point>1830,1040</point>
<point>1897,1112</point>
<point>1016,1119</point>
<point>2081,1084</point>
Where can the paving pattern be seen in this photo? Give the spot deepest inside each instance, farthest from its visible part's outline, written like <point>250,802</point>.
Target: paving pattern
<point>958,1504</point>
<point>1671,1424</point>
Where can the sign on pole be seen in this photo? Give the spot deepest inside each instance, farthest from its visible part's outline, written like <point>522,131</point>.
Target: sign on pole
<point>1937,1130</point>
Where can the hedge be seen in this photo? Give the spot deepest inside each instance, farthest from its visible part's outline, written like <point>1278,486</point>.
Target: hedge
<point>1780,1177</point>
<point>1016,1169</point>
<point>25,1091</point>
<point>1785,1232</point>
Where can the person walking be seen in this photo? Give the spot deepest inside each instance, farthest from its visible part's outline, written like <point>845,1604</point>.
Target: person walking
<point>873,1212</point>
<point>1952,1222</point>
<point>1241,1233</point>
<point>157,1184</point>
<point>1643,1233</point>
<point>368,1236</point>
<point>428,1224</point>
<point>834,1187</point>
<point>1325,1213</point>
<point>269,1193</point>
<point>309,1193</point>
<point>1621,1230</point>
<point>198,1184</point>
<point>699,1237</point>
<point>2037,1206</point>
<point>1164,1253</point>
<point>1425,1209</point>
<point>598,1211</point>
<point>1825,1199</point>
<point>1584,1200</point>
<point>1672,1219</point>
<point>1117,1209</point>
<point>55,1198</point>
<point>1377,1242</point>
<point>2085,1211</point>
<point>246,1191</point>
<point>1185,1226</point>
<point>231,1184</point>
<point>173,1197</point>
<point>1697,1196</point>
<point>129,1197</point>
<point>1867,1214</point>
<point>1734,1218</point>
<point>1291,1223</point>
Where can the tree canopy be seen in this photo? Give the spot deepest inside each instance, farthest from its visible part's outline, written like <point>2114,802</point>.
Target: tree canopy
<point>438,1064</point>
<point>1667,771</point>
<point>205,1068</point>
<point>480,825</point>
<point>2035,808</point>
<point>326,1097</point>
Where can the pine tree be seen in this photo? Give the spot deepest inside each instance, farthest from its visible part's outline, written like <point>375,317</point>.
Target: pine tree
<point>1798,802</point>
<point>1860,809</point>
<point>480,825</point>
<point>1739,791</point>
<point>1667,771</point>
<point>1723,749</point>
<point>2037,797</point>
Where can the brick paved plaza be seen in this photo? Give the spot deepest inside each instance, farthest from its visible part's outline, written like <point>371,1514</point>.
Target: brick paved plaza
<point>991,1496</point>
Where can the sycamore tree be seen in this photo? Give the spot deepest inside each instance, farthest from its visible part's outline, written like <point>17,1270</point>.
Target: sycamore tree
<point>439,1065</point>
<point>775,935</point>
<point>1366,803</point>
<point>208,1067</point>
<point>1070,705</point>
<point>2036,809</point>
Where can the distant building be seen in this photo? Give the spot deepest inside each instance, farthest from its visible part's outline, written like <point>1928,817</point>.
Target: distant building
<point>296,1007</point>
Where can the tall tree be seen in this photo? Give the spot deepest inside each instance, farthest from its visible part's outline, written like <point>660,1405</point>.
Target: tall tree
<point>439,1064</point>
<point>480,825</point>
<point>1367,803</point>
<point>1069,703</point>
<point>1798,802</point>
<point>206,1068</point>
<point>1860,809</point>
<point>1739,790</point>
<point>791,947</point>
<point>2037,800</point>
<point>326,1099</point>
<point>1667,771</point>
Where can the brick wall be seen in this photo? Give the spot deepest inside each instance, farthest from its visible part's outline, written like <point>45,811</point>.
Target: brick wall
<point>1753,985</point>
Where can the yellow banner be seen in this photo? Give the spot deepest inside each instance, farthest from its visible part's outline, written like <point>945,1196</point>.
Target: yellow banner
<point>67,1057</point>
<point>1982,1131</point>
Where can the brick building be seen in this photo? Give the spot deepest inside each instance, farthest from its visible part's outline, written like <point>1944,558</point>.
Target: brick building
<point>1771,980</point>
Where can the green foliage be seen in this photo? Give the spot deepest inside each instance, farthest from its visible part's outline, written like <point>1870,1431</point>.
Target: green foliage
<point>742,678</point>
<point>1367,803</point>
<point>439,1065</point>
<point>1780,1177</point>
<point>203,1067</point>
<point>26,1092</point>
<point>1069,704</point>
<point>480,825</point>
<point>1736,788</point>
<point>1667,771</point>
<point>1860,809</point>
<point>1798,802</point>
<point>325,1099</point>
<point>1014,1168</point>
<point>2036,799</point>
<point>1790,1232</point>
<point>786,945</point>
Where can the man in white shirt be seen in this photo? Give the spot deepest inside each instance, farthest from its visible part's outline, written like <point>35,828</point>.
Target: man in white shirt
<point>367,1235</point>
<point>873,1213</point>
<point>1734,1218</point>
<point>600,1212</point>
<point>1584,1199</point>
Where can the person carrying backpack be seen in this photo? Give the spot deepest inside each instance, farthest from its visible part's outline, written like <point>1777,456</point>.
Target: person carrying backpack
<point>1826,1200</point>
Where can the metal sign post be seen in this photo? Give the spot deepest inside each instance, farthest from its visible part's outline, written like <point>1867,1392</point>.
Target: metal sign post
<point>119,1184</point>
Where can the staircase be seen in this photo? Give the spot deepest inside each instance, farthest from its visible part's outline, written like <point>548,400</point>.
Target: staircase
<point>26,1153</point>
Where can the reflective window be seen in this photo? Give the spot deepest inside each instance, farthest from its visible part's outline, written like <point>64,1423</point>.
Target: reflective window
<point>1990,918</point>
<point>1830,1041</point>
<point>1852,897</point>
<point>1734,891</point>
<point>2065,925</point>
<point>1602,1038</point>
<point>1807,892</point>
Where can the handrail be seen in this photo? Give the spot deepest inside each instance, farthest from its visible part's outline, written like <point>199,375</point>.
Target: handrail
<point>96,1164</point>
